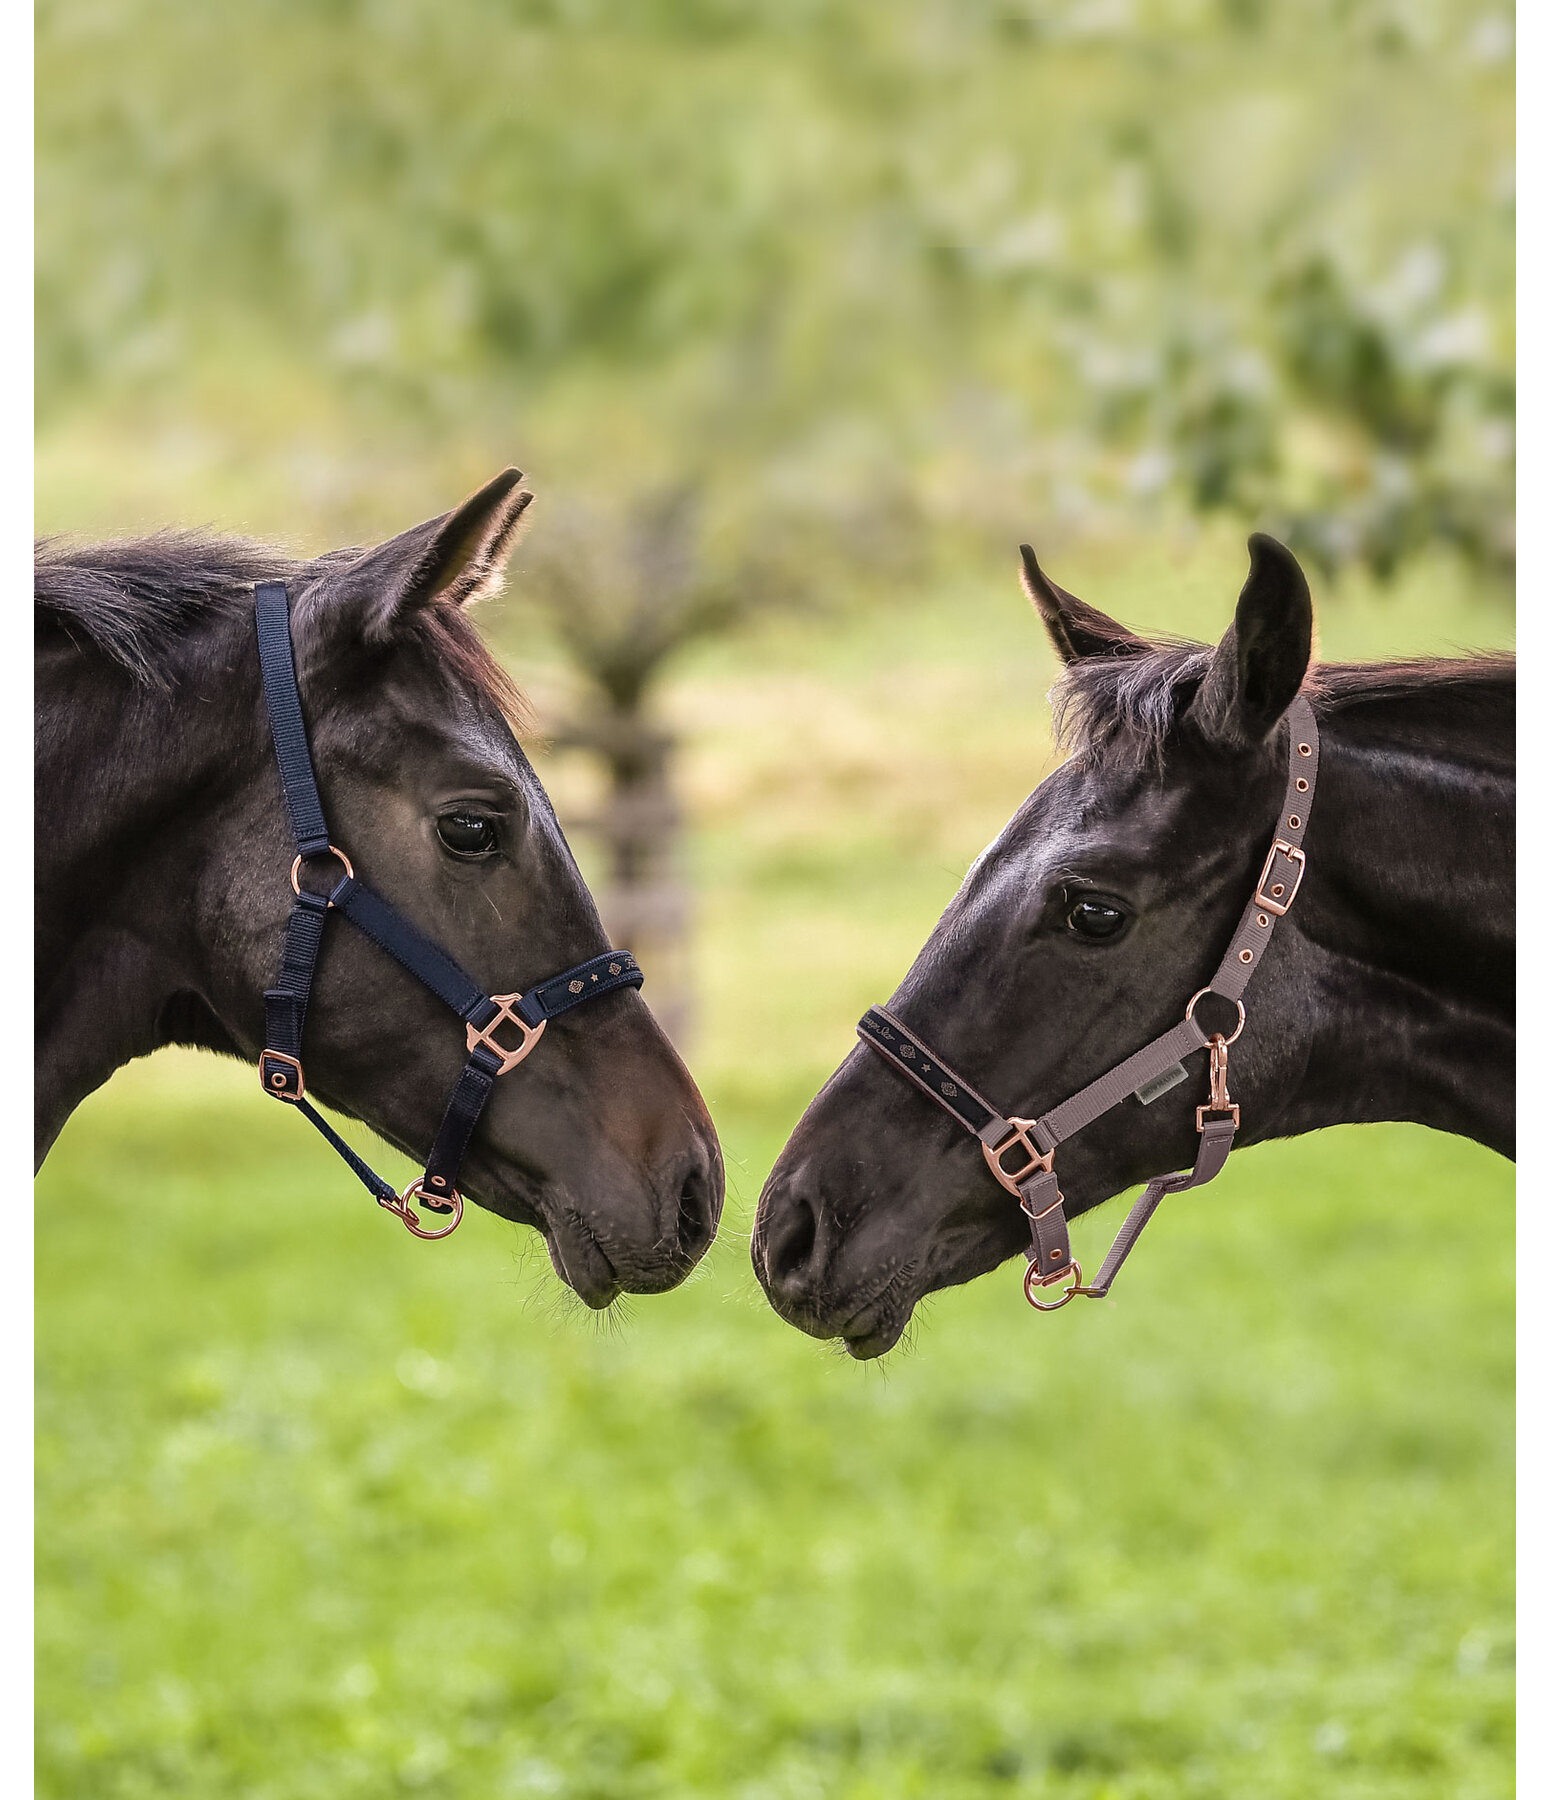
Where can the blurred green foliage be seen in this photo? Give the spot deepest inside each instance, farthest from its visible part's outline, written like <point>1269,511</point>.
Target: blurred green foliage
<point>940,265</point>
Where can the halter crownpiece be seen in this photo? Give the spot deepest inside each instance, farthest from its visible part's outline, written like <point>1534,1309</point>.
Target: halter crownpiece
<point>486,1016</point>
<point>1152,1071</point>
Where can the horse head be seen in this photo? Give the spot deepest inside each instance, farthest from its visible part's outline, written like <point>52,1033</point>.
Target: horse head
<point>601,1140</point>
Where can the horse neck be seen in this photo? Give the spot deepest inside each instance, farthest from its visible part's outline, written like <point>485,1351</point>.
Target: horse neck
<point>125,777</point>
<point>1408,913</point>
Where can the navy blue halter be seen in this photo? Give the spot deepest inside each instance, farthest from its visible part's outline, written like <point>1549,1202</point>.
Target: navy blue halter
<point>483,1015</point>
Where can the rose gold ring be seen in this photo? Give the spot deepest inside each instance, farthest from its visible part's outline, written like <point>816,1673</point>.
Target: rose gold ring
<point>331,851</point>
<point>1032,1280</point>
<point>1189,1013</point>
<point>402,1207</point>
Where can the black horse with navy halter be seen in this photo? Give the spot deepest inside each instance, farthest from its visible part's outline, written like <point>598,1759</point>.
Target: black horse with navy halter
<point>1151,1072</point>
<point>285,1004</point>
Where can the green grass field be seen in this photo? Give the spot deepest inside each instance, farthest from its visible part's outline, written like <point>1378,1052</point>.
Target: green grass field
<point>324,1512</point>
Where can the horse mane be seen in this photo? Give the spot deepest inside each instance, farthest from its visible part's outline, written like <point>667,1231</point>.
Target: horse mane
<point>136,598</point>
<point>1119,711</point>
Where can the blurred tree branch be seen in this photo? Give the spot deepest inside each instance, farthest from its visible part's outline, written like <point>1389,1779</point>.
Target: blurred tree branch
<point>625,590</point>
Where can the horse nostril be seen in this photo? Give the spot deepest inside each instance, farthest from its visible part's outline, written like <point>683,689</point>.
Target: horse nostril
<point>789,1241</point>
<point>696,1213</point>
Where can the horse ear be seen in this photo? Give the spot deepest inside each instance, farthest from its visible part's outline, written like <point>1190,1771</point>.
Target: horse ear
<point>1259,666</point>
<point>454,559</point>
<point>1076,629</point>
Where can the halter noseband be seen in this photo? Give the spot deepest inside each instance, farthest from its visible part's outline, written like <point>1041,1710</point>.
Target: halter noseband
<point>484,1015</point>
<point>1149,1073</point>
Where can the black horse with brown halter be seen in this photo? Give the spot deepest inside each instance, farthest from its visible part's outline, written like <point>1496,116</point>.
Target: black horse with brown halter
<point>1152,1071</point>
<point>484,1015</point>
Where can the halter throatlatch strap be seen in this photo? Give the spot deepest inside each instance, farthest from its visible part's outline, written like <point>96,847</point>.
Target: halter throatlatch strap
<point>1020,1152</point>
<point>486,1016</point>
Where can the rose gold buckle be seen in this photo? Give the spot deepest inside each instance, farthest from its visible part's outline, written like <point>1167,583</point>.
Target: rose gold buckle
<point>402,1207</point>
<point>275,1085</point>
<point>1278,904</point>
<point>332,850</point>
<point>1039,1161</point>
<point>1033,1279</point>
<point>1201,1111</point>
<point>1054,1205</point>
<point>505,1004</point>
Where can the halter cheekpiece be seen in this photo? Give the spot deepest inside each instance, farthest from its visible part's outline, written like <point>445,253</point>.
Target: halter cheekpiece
<point>501,1029</point>
<point>1021,1152</point>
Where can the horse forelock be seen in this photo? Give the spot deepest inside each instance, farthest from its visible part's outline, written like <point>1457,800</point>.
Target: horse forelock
<point>1119,711</point>
<point>459,650</point>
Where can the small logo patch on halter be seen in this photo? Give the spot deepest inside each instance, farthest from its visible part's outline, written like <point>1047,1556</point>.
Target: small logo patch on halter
<point>1161,1084</point>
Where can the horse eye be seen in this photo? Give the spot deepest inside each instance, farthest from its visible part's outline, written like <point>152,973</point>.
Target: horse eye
<point>466,834</point>
<point>1095,919</point>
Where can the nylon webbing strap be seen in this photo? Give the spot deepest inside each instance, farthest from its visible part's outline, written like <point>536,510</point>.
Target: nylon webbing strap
<point>282,697</point>
<point>1216,1139</point>
<point>1049,1251</point>
<point>464,1108</point>
<point>370,1179</point>
<point>1100,1096</point>
<point>1277,887</point>
<point>389,930</point>
<point>285,1004</point>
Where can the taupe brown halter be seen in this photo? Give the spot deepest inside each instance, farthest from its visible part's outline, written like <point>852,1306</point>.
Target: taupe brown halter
<point>1152,1071</point>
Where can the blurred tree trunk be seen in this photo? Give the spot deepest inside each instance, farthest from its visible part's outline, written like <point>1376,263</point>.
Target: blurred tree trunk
<point>625,591</point>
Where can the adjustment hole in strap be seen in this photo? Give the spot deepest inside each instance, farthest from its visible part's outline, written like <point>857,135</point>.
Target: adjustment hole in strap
<point>281,1075</point>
